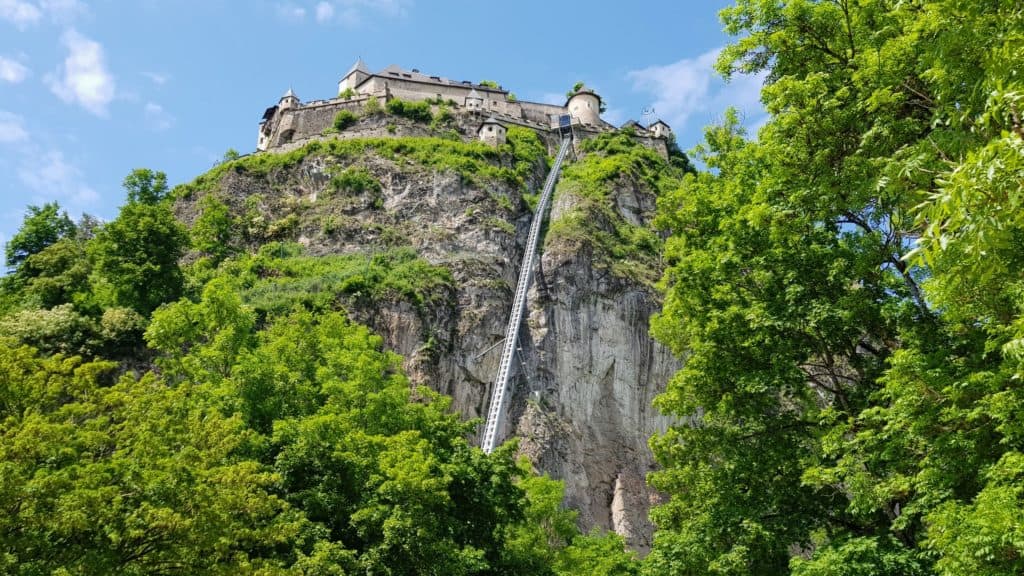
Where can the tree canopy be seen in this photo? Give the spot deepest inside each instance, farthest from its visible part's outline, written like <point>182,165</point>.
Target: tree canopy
<point>846,291</point>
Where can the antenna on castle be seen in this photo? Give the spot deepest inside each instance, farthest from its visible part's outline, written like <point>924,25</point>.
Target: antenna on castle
<point>647,113</point>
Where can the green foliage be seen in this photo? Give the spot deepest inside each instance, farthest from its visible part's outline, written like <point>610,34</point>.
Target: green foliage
<point>489,84</point>
<point>415,111</point>
<point>343,119</point>
<point>511,97</point>
<point>845,395</point>
<point>136,255</point>
<point>347,93</point>
<point>43,226</point>
<point>372,106</point>
<point>355,181</point>
<point>443,119</point>
<point>230,155</point>
<point>144,186</point>
<point>473,161</point>
<point>502,225</point>
<point>626,249</point>
<point>575,88</point>
<point>213,231</point>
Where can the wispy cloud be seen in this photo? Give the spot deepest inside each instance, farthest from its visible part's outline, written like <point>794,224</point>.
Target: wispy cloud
<point>12,71</point>
<point>291,12</point>
<point>83,79</point>
<point>63,11</point>
<point>157,78</point>
<point>351,13</point>
<point>691,88</point>
<point>324,12</point>
<point>24,14</point>
<point>12,128</point>
<point>21,14</point>
<point>50,175</point>
<point>157,119</point>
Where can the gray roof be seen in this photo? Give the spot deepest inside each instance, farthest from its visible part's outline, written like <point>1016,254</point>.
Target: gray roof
<point>583,90</point>
<point>659,121</point>
<point>395,71</point>
<point>490,120</point>
<point>289,94</point>
<point>474,94</point>
<point>359,66</point>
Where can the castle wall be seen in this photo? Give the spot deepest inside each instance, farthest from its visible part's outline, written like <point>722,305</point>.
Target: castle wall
<point>541,113</point>
<point>409,90</point>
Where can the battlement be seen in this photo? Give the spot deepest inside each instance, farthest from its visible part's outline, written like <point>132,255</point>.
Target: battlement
<point>490,107</point>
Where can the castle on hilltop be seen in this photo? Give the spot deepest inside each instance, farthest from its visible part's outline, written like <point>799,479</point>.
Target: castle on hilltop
<point>485,110</point>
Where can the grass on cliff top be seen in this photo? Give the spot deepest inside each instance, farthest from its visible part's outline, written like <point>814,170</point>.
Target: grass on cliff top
<point>612,160</point>
<point>474,161</point>
<point>279,277</point>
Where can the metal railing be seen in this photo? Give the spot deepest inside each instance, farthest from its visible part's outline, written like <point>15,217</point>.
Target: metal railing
<point>496,411</point>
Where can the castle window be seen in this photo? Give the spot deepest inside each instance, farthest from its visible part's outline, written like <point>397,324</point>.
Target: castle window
<point>490,128</point>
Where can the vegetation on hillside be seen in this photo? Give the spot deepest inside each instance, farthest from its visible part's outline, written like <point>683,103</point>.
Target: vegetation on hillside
<point>847,291</point>
<point>613,163</point>
<point>231,419</point>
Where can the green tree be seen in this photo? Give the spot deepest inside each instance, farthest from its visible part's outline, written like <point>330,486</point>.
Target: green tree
<point>844,396</point>
<point>136,255</point>
<point>43,226</point>
<point>145,186</point>
<point>212,231</point>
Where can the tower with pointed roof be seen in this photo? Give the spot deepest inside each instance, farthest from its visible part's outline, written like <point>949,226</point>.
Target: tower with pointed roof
<point>354,77</point>
<point>492,132</point>
<point>474,101</point>
<point>289,100</point>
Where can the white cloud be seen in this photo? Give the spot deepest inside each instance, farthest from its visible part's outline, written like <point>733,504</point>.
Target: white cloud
<point>21,14</point>
<point>157,78</point>
<point>12,128</point>
<point>49,175</point>
<point>349,13</point>
<point>291,12</point>
<point>324,12</point>
<point>157,118</point>
<point>83,79</point>
<point>24,14</point>
<point>12,71</point>
<point>691,87</point>
<point>63,11</point>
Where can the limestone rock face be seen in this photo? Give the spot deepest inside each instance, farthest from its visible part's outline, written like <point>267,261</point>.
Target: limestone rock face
<point>588,367</point>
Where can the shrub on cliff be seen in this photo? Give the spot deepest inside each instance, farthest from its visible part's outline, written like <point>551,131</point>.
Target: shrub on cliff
<point>415,111</point>
<point>343,119</point>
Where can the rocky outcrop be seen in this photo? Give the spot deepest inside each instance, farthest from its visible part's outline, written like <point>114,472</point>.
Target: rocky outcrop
<point>588,368</point>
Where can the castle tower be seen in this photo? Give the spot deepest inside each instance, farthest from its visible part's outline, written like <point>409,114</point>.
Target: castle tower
<point>660,129</point>
<point>289,100</point>
<point>585,106</point>
<point>492,132</point>
<point>354,77</point>
<point>474,101</point>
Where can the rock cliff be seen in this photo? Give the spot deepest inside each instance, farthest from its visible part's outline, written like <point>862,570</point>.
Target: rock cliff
<point>588,368</point>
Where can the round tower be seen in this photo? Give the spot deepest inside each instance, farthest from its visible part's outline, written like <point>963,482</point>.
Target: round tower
<point>585,106</point>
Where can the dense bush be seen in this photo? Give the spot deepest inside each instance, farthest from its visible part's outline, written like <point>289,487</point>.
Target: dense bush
<point>343,119</point>
<point>415,111</point>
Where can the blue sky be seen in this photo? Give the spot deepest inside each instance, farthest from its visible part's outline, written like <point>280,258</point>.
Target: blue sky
<point>90,89</point>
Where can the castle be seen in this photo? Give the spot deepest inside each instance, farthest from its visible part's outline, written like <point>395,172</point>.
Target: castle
<point>486,106</point>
